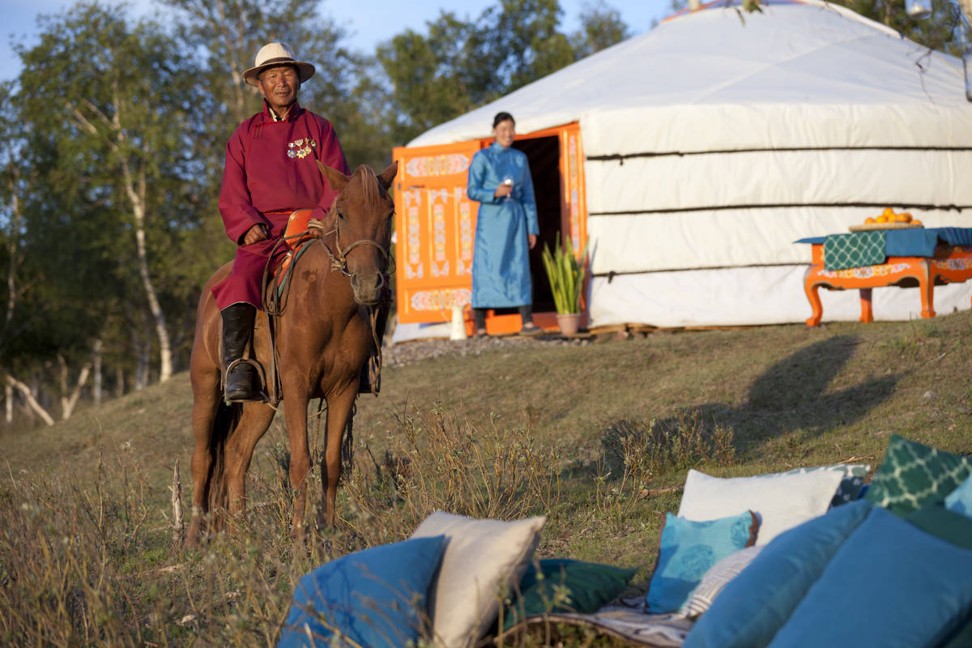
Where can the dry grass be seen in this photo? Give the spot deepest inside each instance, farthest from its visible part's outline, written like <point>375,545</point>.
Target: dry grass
<point>595,437</point>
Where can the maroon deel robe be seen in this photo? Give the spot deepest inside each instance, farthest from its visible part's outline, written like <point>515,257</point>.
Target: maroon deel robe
<point>270,171</point>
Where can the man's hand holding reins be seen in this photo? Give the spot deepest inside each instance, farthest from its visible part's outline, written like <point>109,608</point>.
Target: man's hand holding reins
<point>255,234</point>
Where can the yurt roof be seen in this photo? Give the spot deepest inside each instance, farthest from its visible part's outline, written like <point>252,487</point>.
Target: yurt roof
<point>792,75</point>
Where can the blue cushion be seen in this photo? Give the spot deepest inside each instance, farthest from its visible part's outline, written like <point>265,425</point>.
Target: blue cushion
<point>374,597</point>
<point>960,499</point>
<point>904,587</point>
<point>756,603</point>
<point>688,548</point>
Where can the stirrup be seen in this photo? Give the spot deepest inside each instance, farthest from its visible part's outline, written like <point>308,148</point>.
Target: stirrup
<point>255,393</point>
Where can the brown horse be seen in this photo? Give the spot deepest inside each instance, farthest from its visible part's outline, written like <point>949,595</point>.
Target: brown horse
<point>324,337</point>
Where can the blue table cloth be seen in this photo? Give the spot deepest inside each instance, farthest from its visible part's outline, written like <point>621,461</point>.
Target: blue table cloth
<point>915,242</point>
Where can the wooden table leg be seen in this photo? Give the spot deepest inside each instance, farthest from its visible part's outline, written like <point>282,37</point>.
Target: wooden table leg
<point>926,286</point>
<point>812,289</point>
<point>867,311</point>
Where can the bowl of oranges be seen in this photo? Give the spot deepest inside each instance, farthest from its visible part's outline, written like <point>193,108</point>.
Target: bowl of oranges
<point>889,219</point>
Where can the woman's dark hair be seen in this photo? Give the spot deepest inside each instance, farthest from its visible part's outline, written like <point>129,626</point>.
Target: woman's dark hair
<point>502,117</point>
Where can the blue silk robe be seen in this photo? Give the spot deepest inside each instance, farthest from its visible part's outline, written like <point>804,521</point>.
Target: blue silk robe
<point>501,261</point>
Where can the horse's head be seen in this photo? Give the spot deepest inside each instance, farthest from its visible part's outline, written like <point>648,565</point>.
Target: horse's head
<point>362,220</point>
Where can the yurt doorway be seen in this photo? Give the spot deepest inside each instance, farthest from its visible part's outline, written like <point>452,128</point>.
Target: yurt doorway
<point>543,154</point>
<point>435,223</point>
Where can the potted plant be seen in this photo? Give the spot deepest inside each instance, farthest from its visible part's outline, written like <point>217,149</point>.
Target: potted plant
<point>565,270</point>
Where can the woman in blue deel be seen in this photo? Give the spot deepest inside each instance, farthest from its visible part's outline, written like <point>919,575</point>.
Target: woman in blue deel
<point>506,228</point>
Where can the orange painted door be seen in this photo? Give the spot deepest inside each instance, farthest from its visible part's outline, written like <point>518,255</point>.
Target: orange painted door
<point>435,224</point>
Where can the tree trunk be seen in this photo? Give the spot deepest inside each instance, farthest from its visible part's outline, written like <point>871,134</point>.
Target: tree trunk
<point>141,349</point>
<point>135,190</point>
<point>32,403</point>
<point>13,241</point>
<point>8,393</point>
<point>70,397</point>
<point>96,361</point>
<point>136,194</point>
<point>119,382</point>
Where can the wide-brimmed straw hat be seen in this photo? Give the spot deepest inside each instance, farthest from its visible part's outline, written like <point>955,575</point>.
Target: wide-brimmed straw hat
<point>273,54</point>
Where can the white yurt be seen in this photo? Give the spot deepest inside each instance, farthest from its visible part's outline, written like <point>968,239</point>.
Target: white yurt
<point>714,142</point>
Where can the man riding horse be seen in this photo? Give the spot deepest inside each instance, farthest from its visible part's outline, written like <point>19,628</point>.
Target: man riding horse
<point>271,170</point>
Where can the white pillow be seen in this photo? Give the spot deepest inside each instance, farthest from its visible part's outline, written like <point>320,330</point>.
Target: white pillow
<point>715,579</point>
<point>482,561</point>
<point>782,501</point>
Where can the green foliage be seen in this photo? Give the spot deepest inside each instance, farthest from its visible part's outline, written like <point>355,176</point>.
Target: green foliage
<point>601,27</point>
<point>942,31</point>
<point>460,64</point>
<point>104,107</point>
<point>565,271</point>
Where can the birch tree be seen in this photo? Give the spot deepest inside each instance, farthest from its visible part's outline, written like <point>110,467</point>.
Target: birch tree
<point>110,106</point>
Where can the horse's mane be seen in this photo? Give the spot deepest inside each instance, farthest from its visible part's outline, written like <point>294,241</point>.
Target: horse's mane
<point>370,186</point>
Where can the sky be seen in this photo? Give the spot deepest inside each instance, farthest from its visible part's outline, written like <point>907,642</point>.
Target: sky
<point>368,22</point>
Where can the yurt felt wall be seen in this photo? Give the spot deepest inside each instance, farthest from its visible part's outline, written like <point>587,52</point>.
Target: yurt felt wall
<point>716,140</point>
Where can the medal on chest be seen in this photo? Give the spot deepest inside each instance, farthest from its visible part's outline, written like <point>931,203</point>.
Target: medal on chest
<point>301,148</point>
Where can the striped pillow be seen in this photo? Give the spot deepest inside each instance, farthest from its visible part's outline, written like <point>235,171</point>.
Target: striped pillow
<point>715,579</point>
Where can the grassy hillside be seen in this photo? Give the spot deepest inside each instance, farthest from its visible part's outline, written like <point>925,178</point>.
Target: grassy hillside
<point>597,437</point>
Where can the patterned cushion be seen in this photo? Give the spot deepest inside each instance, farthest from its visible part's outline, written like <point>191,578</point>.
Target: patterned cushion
<point>688,549</point>
<point>960,499</point>
<point>913,475</point>
<point>715,579</point>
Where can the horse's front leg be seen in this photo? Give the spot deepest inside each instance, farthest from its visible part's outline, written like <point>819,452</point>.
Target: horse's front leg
<point>339,407</point>
<point>242,442</point>
<point>295,412</point>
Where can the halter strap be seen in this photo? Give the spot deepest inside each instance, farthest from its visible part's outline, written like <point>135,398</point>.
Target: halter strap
<point>339,256</point>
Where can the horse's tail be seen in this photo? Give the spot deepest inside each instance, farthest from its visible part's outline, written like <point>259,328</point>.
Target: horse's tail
<point>226,419</point>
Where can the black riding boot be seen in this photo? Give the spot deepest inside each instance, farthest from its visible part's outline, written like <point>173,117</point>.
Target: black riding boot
<point>241,376</point>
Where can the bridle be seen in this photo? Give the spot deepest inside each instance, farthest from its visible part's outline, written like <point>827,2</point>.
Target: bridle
<point>339,255</point>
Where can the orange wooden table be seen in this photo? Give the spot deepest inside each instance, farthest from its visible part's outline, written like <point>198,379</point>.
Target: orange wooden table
<point>951,264</point>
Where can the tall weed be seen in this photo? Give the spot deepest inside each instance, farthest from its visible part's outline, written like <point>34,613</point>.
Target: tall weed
<point>443,462</point>
<point>639,450</point>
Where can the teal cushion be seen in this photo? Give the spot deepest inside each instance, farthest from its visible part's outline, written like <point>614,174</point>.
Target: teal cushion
<point>960,499</point>
<point>905,587</point>
<point>962,638</point>
<point>587,586</point>
<point>913,474</point>
<point>957,529</point>
<point>374,597</point>
<point>941,522</point>
<point>757,602</point>
<point>688,549</point>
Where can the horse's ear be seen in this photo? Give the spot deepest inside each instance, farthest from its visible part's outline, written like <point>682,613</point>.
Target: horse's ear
<point>335,178</point>
<point>386,176</point>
